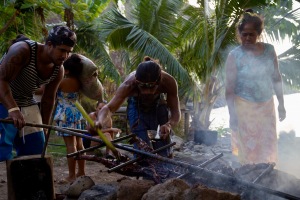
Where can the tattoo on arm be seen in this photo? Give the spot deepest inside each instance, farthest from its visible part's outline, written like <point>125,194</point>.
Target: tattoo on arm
<point>14,61</point>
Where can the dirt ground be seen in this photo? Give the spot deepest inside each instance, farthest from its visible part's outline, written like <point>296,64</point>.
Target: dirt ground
<point>96,171</point>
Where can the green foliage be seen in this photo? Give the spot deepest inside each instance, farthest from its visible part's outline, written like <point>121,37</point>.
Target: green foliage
<point>140,35</point>
<point>179,129</point>
<point>190,42</point>
<point>56,146</point>
<point>222,131</point>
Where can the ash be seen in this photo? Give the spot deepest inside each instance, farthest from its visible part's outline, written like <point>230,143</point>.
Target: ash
<point>262,175</point>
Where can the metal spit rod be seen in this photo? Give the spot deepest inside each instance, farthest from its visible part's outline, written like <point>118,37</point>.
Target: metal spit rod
<point>196,168</point>
<point>164,159</point>
<point>102,144</point>
<point>266,171</point>
<point>56,128</point>
<point>202,165</point>
<point>139,158</point>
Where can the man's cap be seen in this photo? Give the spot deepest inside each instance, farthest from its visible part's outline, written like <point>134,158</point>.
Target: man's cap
<point>148,71</point>
<point>62,35</point>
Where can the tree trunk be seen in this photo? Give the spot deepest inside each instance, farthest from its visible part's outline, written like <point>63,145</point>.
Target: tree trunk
<point>200,118</point>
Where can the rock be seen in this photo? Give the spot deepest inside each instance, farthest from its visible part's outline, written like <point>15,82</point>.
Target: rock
<point>81,184</point>
<point>203,192</point>
<point>177,189</point>
<point>106,191</point>
<point>133,189</point>
<point>179,142</point>
<point>171,189</point>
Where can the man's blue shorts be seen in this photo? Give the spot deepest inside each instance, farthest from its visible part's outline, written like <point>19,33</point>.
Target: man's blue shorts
<point>141,121</point>
<point>9,139</point>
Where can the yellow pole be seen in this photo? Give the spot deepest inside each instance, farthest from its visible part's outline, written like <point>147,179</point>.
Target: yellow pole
<point>101,135</point>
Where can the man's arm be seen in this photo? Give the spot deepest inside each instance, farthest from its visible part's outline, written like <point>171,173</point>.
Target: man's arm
<point>49,97</point>
<point>277,85</point>
<point>173,104</point>
<point>15,59</point>
<point>104,119</point>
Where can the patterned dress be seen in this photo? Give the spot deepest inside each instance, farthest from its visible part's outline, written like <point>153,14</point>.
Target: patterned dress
<point>256,138</point>
<point>66,113</point>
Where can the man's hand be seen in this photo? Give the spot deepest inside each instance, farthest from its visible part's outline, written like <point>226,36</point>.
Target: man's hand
<point>93,129</point>
<point>281,112</point>
<point>165,131</point>
<point>17,118</point>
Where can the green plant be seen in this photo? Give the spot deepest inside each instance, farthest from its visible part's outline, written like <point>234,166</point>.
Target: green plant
<point>56,146</point>
<point>222,131</point>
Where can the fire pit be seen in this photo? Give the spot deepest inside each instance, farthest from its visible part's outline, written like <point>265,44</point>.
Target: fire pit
<point>244,181</point>
<point>260,181</point>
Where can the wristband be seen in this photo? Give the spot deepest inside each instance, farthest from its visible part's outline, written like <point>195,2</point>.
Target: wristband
<point>13,109</point>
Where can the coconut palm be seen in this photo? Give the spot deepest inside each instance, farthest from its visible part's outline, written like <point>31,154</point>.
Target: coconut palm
<point>145,28</point>
<point>209,32</point>
<point>34,19</point>
<point>283,22</point>
<point>190,42</point>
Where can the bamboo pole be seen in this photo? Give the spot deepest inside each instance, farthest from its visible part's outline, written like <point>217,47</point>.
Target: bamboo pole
<point>109,145</point>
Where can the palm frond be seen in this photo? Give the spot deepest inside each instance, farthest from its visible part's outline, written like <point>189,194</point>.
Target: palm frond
<point>89,43</point>
<point>121,33</point>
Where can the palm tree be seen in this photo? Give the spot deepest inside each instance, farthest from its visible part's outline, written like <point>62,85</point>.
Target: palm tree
<point>34,18</point>
<point>209,32</point>
<point>146,28</point>
<point>282,22</point>
<point>190,42</point>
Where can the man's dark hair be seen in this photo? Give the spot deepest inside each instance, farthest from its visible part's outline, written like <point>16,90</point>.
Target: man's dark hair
<point>62,35</point>
<point>250,17</point>
<point>148,71</point>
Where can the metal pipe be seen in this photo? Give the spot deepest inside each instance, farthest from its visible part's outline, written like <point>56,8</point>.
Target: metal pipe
<point>202,165</point>
<point>56,128</point>
<point>267,170</point>
<point>76,130</point>
<point>139,158</point>
<point>98,146</point>
<point>199,169</point>
<point>48,134</point>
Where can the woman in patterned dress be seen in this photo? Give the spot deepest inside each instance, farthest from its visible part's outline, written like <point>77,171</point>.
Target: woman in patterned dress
<point>252,75</point>
<point>67,115</point>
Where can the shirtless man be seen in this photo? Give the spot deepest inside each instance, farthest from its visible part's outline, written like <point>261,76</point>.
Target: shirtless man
<point>26,66</point>
<point>152,101</point>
